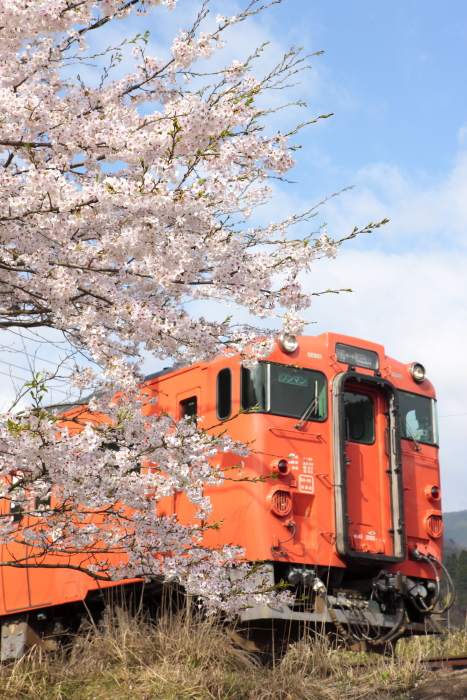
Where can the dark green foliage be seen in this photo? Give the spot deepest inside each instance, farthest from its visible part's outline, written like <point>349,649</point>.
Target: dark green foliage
<point>461,578</point>
<point>451,564</point>
<point>455,560</point>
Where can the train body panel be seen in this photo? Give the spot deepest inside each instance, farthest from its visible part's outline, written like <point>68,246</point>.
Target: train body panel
<point>308,489</point>
<point>343,473</point>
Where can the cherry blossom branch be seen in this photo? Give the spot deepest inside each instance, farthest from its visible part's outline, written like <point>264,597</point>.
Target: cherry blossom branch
<point>121,205</point>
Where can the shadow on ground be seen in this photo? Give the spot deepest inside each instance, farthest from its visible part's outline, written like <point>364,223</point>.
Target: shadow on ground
<point>445,687</point>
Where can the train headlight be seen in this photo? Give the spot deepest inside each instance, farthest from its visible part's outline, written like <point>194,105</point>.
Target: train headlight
<point>434,523</point>
<point>280,501</point>
<point>418,372</point>
<point>288,343</point>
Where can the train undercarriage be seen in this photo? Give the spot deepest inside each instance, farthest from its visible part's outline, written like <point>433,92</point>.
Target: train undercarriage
<point>365,610</point>
<point>361,609</point>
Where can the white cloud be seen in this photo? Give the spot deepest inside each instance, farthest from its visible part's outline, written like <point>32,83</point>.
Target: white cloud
<point>409,282</point>
<point>423,213</point>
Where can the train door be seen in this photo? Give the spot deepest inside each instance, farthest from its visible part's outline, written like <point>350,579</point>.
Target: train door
<point>23,587</point>
<point>15,580</point>
<point>368,486</point>
<point>368,482</point>
<point>187,406</point>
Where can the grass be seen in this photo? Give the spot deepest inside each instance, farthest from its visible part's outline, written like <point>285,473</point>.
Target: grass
<point>178,658</point>
<point>449,644</point>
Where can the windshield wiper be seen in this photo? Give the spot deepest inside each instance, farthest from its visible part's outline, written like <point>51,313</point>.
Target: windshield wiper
<point>408,429</point>
<point>311,408</point>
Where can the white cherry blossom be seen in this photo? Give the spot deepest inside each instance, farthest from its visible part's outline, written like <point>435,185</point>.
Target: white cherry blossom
<point>120,204</point>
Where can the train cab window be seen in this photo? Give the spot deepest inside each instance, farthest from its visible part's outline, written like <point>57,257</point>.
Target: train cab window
<point>284,390</point>
<point>418,418</point>
<point>224,393</point>
<point>17,512</point>
<point>359,417</point>
<point>16,507</point>
<point>189,407</point>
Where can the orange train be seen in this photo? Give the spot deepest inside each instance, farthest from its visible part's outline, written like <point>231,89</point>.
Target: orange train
<point>352,520</point>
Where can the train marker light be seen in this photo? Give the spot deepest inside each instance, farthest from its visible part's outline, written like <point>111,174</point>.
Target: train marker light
<point>287,343</point>
<point>280,466</point>
<point>418,372</point>
<point>433,493</point>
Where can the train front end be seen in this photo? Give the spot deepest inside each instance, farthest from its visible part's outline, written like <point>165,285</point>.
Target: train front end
<point>350,511</point>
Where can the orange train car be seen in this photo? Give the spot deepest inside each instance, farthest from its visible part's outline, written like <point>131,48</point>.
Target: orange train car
<point>352,518</point>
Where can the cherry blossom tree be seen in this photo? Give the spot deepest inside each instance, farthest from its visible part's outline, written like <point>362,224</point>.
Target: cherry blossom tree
<point>120,204</point>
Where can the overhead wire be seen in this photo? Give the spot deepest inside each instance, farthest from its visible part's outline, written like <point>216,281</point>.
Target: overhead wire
<point>24,369</point>
<point>21,379</point>
<point>11,364</point>
<point>35,357</point>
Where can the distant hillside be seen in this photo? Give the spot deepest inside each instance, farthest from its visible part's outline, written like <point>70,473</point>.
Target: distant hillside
<point>455,527</point>
<point>450,547</point>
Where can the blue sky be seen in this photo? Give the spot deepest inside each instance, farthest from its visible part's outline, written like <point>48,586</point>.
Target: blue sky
<point>394,73</point>
<point>395,76</point>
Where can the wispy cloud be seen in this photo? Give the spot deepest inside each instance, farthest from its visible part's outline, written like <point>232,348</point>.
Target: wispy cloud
<point>424,213</point>
<point>409,287</point>
<point>462,135</point>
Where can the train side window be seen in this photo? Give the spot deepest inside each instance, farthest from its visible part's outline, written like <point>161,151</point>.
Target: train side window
<point>224,393</point>
<point>359,417</point>
<point>44,502</point>
<point>253,387</point>
<point>189,407</point>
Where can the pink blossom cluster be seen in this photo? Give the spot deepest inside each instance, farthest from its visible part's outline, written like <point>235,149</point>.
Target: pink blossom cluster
<point>114,218</point>
<point>91,498</point>
<point>112,259</point>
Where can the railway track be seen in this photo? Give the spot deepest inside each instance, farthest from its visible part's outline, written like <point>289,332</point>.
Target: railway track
<point>454,663</point>
<point>434,663</point>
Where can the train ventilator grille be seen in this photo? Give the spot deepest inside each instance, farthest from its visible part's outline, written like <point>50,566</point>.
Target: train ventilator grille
<point>281,503</point>
<point>434,525</point>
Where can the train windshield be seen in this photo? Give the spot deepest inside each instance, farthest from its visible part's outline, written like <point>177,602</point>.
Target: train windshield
<point>418,418</point>
<point>284,390</point>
